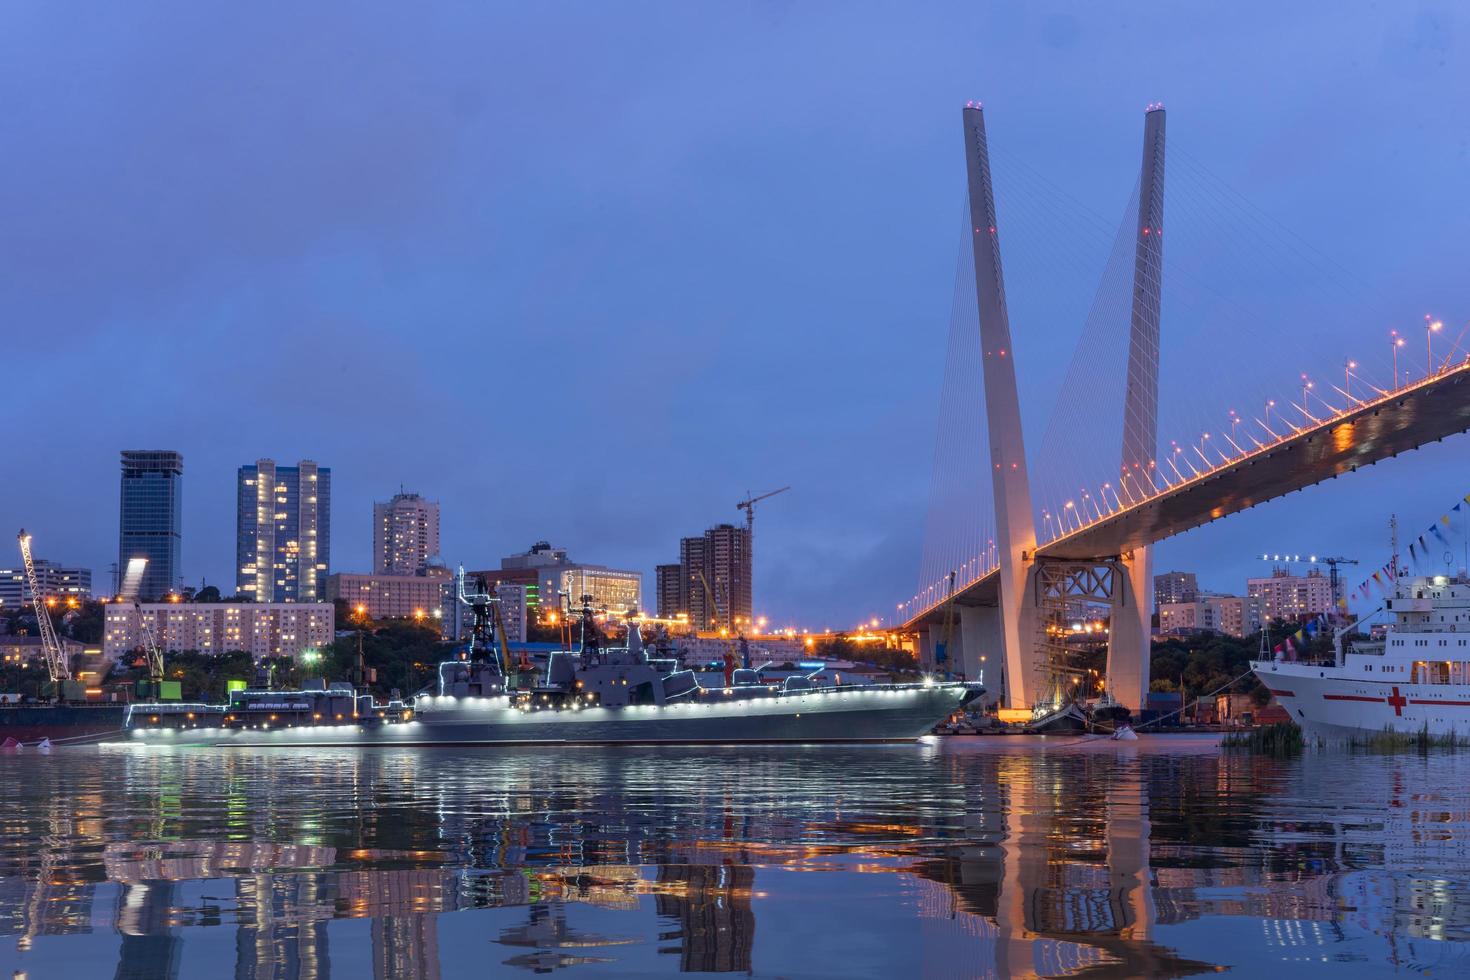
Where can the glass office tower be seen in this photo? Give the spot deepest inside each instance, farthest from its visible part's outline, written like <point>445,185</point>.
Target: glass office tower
<point>148,522</point>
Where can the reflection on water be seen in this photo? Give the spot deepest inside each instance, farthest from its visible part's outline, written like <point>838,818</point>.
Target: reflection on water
<point>974,857</point>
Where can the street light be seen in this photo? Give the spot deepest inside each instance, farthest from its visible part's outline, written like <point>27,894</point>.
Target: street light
<point>1347,379</point>
<point>1430,329</point>
<point>1396,342</point>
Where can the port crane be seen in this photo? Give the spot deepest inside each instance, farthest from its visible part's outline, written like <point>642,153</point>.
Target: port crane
<point>748,505</point>
<point>56,663</point>
<point>131,582</point>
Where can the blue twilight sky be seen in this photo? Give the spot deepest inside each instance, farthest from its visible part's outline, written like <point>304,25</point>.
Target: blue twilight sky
<point>588,272</point>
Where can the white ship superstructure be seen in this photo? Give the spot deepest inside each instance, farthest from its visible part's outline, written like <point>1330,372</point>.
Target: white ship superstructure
<point>1416,679</point>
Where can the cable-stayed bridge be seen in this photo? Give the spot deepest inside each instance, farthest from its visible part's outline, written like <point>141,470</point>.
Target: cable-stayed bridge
<point>1012,562</point>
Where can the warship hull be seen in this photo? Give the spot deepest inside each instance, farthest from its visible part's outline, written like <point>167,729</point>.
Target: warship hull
<point>847,714</point>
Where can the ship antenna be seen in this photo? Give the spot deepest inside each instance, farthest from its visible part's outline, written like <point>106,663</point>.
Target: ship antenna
<point>1393,533</point>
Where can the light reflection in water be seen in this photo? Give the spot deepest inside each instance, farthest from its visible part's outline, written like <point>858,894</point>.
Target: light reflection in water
<point>979,857</point>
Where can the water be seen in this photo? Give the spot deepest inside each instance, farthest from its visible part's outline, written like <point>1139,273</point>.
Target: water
<point>970,857</point>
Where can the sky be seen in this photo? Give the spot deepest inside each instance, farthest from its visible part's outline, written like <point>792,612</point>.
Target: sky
<point>591,272</point>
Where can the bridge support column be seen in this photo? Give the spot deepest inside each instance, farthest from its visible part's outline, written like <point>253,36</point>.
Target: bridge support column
<point>984,648</point>
<point>924,650</point>
<point>1130,633</point>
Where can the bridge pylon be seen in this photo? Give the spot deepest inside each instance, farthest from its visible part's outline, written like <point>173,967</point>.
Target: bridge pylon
<point>1012,621</point>
<point>1031,593</point>
<point>1130,635</point>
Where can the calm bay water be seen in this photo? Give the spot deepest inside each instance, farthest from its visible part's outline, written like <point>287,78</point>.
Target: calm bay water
<point>967,857</point>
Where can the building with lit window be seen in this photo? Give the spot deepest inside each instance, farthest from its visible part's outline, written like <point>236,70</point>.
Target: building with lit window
<point>714,582</point>
<point>283,538</point>
<point>405,534</point>
<point>1233,615</point>
<point>149,517</point>
<point>263,629</point>
<point>668,588</point>
<point>549,575</point>
<point>1238,615</point>
<point>55,582</point>
<point>391,596</point>
<point>1285,596</point>
<point>1172,587</point>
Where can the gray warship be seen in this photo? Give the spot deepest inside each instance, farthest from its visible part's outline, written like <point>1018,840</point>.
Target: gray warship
<point>599,695</point>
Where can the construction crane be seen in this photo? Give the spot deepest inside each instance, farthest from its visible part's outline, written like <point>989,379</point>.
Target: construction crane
<point>132,580</point>
<point>748,505</point>
<point>1334,583</point>
<point>714,612</point>
<point>56,662</point>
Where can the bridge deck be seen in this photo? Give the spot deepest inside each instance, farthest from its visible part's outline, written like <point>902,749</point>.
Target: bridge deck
<point>1416,414</point>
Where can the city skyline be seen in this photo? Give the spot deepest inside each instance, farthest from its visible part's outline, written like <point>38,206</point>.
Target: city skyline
<point>574,268</point>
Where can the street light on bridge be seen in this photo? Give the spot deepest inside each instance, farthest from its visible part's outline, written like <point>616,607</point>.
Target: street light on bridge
<point>1396,341</point>
<point>1430,329</point>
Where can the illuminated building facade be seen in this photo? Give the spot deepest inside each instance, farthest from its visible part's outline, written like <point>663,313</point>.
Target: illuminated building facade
<point>553,574</point>
<point>405,534</point>
<point>265,629</point>
<point>1285,596</point>
<point>149,517</point>
<point>391,596</point>
<point>55,582</point>
<point>714,581</point>
<point>283,538</point>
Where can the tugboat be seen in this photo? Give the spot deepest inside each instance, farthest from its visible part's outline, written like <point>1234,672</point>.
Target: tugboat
<point>1107,713</point>
<point>597,695</point>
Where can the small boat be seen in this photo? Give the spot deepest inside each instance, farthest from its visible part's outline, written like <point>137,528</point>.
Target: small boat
<point>1107,713</point>
<point>1125,733</point>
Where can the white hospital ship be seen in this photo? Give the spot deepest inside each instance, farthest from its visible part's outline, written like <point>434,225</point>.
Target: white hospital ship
<point>1416,679</point>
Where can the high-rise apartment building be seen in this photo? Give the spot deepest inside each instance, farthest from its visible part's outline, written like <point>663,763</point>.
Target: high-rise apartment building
<point>714,581</point>
<point>1285,596</point>
<point>1174,587</point>
<point>148,517</point>
<point>405,535</point>
<point>669,591</point>
<point>283,537</point>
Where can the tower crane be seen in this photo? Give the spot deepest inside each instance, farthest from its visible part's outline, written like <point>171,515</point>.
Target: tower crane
<point>56,663</point>
<point>132,580</point>
<point>748,505</point>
